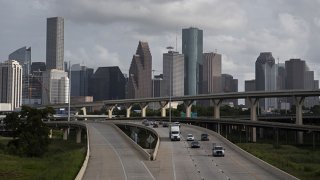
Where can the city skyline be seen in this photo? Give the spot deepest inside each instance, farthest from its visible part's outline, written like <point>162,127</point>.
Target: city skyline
<point>287,29</point>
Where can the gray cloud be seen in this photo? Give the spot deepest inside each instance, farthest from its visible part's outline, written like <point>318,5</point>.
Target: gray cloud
<point>106,32</point>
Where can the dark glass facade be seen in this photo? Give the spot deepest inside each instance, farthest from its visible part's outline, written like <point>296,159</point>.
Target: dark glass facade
<point>107,83</point>
<point>192,48</point>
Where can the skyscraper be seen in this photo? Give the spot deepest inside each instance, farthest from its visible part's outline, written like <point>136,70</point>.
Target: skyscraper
<point>23,56</point>
<point>211,78</point>
<point>228,84</point>
<point>11,83</point>
<point>295,73</point>
<point>173,71</point>
<point>139,83</point>
<point>249,85</point>
<point>55,43</point>
<point>266,79</point>
<point>107,83</point>
<point>80,79</point>
<point>192,48</point>
<point>55,87</point>
<point>298,76</point>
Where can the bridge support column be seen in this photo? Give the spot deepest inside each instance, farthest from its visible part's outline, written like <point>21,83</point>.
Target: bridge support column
<point>128,106</point>
<point>84,110</point>
<point>78,139</point>
<point>65,133</point>
<point>216,107</point>
<point>188,105</point>
<point>110,110</point>
<point>163,105</point>
<point>299,103</point>
<point>143,107</point>
<point>253,116</point>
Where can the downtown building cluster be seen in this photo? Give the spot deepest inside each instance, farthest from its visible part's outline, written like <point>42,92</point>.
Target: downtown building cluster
<point>191,72</point>
<point>294,74</point>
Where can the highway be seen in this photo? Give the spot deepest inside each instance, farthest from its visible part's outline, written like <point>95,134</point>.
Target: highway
<point>188,163</point>
<point>112,157</point>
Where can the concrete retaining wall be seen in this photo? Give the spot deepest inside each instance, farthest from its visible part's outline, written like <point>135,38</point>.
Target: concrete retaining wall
<point>85,162</point>
<point>135,145</point>
<point>268,167</point>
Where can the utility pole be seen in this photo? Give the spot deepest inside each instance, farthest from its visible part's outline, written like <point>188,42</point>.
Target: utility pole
<point>69,90</point>
<point>170,82</point>
<point>153,88</point>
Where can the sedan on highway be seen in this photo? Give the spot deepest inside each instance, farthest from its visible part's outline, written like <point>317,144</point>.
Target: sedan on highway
<point>190,137</point>
<point>195,144</point>
<point>204,137</point>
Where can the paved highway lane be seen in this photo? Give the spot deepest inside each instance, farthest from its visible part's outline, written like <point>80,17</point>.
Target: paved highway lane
<point>112,157</point>
<point>188,163</point>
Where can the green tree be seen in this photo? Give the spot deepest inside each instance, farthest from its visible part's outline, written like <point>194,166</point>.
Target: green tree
<point>30,133</point>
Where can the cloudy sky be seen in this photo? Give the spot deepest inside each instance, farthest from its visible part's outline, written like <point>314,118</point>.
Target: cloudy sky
<point>106,32</point>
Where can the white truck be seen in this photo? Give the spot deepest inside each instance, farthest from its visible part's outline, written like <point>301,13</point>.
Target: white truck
<point>217,150</point>
<point>174,133</point>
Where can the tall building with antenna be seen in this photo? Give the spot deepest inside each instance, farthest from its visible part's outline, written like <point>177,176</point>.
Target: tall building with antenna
<point>192,48</point>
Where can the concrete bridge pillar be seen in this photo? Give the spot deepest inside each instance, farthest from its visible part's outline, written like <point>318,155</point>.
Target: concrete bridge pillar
<point>188,105</point>
<point>253,116</point>
<point>163,105</point>
<point>110,110</point>
<point>128,106</point>
<point>78,139</point>
<point>143,107</point>
<point>216,107</point>
<point>299,103</point>
<point>84,110</point>
<point>65,133</point>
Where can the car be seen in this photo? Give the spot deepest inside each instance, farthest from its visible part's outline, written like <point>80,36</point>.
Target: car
<point>176,124</point>
<point>147,123</point>
<point>155,125</point>
<point>165,124</point>
<point>195,144</point>
<point>160,122</point>
<point>190,137</point>
<point>204,137</point>
<point>217,150</point>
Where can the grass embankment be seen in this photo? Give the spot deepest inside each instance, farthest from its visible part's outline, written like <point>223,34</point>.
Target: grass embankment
<point>62,161</point>
<point>301,162</point>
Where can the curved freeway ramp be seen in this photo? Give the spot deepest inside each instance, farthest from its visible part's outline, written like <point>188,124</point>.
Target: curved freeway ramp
<point>112,157</point>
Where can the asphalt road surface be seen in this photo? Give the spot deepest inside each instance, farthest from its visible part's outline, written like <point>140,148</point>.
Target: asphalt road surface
<point>112,157</point>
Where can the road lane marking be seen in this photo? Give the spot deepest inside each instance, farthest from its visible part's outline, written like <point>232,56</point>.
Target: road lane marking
<point>124,171</point>
<point>173,165</point>
<point>148,170</point>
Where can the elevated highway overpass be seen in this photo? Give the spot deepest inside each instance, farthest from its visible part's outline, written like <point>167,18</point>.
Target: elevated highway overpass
<point>253,97</point>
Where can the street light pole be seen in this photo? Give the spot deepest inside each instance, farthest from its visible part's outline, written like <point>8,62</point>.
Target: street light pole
<point>69,90</point>
<point>153,88</point>
<point>170,82</point>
